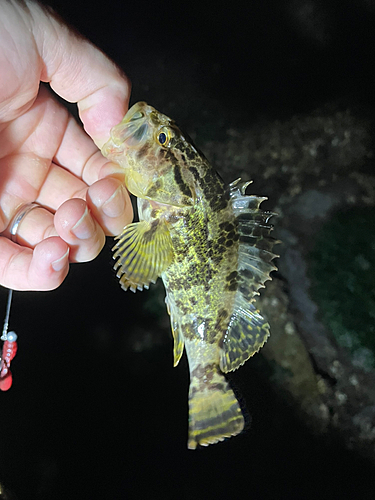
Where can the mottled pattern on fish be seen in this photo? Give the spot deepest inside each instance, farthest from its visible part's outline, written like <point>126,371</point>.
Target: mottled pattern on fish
<point>210,244</point>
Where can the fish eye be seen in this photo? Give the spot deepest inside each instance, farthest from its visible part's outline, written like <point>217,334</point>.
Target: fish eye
<point>163,137</point>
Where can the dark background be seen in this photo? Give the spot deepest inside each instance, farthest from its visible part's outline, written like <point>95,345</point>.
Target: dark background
<point>96,410</point>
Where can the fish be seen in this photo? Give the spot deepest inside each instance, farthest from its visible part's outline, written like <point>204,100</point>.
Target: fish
<point>212,247</point>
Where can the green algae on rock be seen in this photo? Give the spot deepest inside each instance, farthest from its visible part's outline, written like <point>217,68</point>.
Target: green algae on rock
<point>342,271</point>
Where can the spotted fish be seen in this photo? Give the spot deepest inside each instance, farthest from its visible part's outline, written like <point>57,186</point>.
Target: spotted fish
<point>211,245</point>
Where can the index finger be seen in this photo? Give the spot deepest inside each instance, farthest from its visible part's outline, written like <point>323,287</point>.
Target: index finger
<point>79,72</point>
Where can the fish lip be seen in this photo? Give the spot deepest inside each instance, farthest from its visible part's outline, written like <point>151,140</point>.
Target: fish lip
<point>143,110</point>
<point>135,128</point>
<point>137,111</point>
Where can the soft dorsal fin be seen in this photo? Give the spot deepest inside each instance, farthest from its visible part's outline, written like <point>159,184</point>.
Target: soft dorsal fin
<point>144,251</point>
<point>247,333</point>
<point>247,330</point>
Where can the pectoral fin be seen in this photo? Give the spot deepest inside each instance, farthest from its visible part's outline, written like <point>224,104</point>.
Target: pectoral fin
<point>144,250</point>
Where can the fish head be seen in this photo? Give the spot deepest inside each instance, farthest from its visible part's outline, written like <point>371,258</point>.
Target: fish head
<point>155,156</point>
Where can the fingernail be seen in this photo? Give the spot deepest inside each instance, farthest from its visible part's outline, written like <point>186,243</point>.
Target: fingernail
<point>115,205</point>
<point>85,227</point>
<point>60,263</point>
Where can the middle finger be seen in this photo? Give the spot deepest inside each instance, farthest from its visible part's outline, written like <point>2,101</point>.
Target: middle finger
<point>60,185</point>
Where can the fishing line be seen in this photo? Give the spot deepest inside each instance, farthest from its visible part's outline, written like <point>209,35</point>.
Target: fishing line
<point>7,313</point>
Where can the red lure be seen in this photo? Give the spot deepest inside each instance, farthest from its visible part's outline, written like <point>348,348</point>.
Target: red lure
<point>9,349</point>
<point>8,353</point>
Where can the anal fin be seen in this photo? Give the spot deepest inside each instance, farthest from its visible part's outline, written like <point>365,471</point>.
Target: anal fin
<point>178,338</point>
<point>144,250</point>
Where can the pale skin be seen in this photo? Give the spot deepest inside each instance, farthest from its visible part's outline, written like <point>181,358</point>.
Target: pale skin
<point>46,157</point>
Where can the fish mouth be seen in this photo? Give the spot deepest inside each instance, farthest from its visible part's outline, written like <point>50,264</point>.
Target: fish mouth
<point>134,129</point>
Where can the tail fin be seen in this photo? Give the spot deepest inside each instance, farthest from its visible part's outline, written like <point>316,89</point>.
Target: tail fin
<point>214,412</point>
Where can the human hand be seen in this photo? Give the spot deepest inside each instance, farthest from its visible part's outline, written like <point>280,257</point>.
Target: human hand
<point>46,157</point>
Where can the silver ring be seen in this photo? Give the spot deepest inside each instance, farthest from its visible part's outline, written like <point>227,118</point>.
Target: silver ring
<point>17,219</point>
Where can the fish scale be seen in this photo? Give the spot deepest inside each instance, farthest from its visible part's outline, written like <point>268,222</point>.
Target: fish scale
<point>210,244</point>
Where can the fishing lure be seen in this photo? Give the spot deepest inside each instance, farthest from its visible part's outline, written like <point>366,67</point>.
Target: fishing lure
<point>9,350</point>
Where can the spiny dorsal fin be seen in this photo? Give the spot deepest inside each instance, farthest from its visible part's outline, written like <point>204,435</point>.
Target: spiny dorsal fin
<point>256,243</point>
<point>144,251</point>
<point>248,331</point>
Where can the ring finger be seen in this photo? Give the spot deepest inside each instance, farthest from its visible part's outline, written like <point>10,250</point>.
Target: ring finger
<point>72,222</point>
